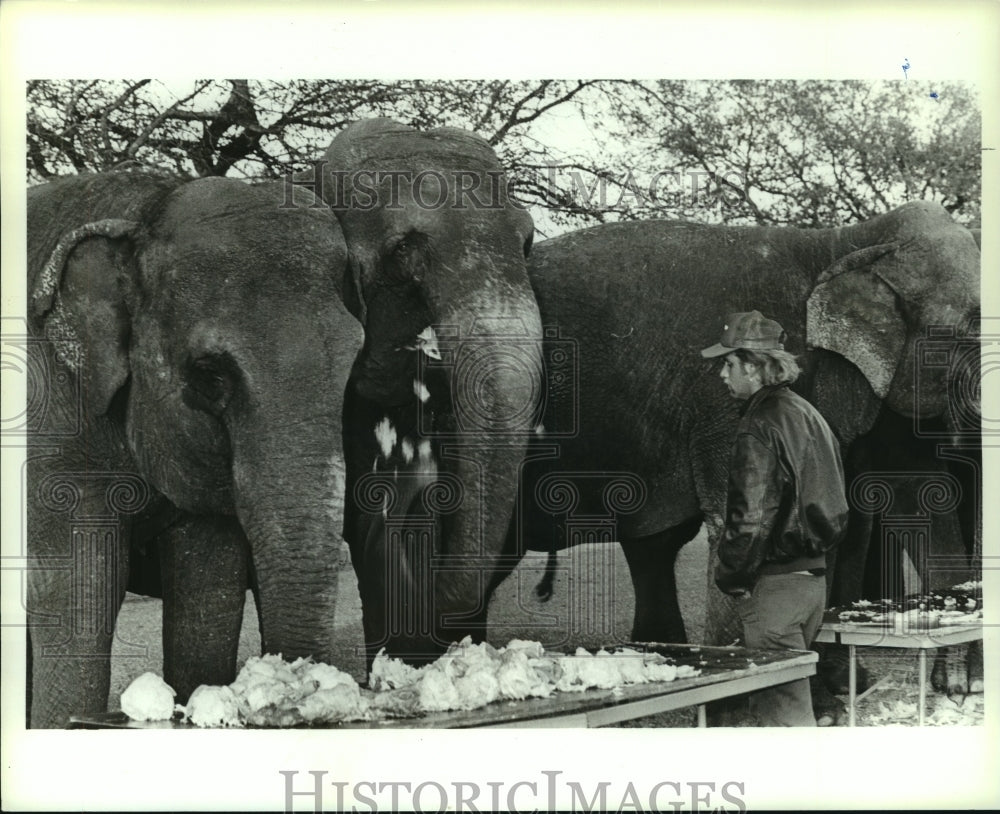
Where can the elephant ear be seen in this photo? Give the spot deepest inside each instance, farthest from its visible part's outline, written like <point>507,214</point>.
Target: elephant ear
<point>853,311</point>
<point>78,298</point>
<point>353,290</point>
<point>525,226</point>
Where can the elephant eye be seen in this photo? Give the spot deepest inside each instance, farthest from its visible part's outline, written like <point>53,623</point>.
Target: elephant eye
<point>409,258</point>
<point>208,384</point>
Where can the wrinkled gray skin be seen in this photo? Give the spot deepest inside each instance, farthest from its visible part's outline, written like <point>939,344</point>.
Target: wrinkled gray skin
<point>639,301</point>
<point>427,513</point>
<point>200,424</point>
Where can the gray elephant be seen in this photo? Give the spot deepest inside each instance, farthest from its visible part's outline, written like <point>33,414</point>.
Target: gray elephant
<point>446,390</point>
<point>637,300</point>
<point>190,350</point>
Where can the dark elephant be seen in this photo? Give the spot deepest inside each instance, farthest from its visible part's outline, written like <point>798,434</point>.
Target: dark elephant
<point>916,526</point>
<point>446,390</point>
<point>190,347</point>
<point>638,300</point>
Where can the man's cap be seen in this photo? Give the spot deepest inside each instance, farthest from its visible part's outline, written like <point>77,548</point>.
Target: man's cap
<point>750,330</point>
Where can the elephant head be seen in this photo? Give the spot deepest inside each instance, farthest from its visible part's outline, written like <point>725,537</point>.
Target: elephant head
<point>205,325</point>
<point>447,386</point>
<point>876,305</point>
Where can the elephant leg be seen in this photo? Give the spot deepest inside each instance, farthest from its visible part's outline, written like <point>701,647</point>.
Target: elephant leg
<point>546,585</point>
<point>853,559</point>
<point>651,564</point>
<point>939,675</point>
<point>975,658</point>
<point>833,669</point>
<point>958,669</point>
<point>204,563</point>
<point>512,554</point>
<point>77,575</point>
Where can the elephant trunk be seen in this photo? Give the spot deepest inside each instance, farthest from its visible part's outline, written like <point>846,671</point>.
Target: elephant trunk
<point>496,383</point>
<point>438,528</point>
<point>289,501</point>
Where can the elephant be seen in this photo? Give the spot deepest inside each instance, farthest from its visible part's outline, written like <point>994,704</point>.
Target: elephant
<point>909,464</point>
<point>190,347</point>
<point>919,494</point>
<point>446,391</point>
<point>640,426</point>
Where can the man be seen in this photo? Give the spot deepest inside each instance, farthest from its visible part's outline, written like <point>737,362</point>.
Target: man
<point>785,506</point>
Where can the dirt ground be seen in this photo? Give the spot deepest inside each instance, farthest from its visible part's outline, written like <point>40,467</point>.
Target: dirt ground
<point>592,606</point>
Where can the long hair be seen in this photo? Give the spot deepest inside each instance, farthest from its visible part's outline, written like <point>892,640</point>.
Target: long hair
<point>775,366</point>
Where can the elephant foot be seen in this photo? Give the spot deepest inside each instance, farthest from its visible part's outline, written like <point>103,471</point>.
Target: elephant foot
<point>544,589</point>
<point>834,671</point>
<point>939,680</point>
<point>952,672</point>
<point>976,667</point>
<point>957,692</point>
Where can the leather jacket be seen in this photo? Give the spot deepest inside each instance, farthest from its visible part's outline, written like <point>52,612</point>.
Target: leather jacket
<point>785,505</point>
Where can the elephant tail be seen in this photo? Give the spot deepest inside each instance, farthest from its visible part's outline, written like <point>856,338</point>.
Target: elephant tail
<point>544,588</point>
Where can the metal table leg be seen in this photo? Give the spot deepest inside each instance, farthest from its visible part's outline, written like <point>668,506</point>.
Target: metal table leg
<point>923,686</point>
<point>852,674</point>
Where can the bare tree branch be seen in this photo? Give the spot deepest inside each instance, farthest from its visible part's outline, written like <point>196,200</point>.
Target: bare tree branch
<point>136,144</point>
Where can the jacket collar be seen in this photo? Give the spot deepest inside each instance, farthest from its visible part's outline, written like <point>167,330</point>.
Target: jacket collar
<point>765,391</point>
